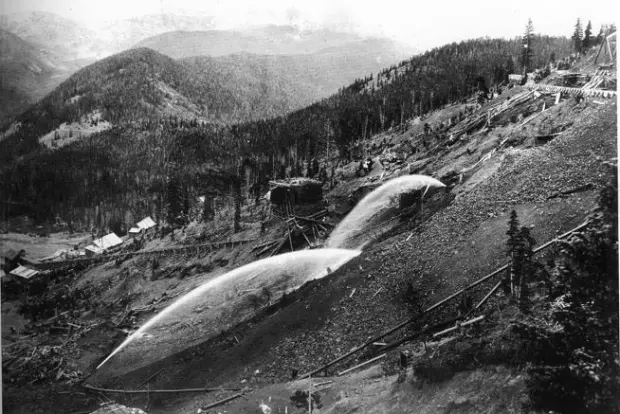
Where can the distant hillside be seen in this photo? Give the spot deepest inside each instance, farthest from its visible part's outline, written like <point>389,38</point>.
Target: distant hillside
<point>271,85</point>
<point>136,85</point>
<point>27,73</point>
<point>268,40</point>
<point>123,34</point>
<point>61,36</point>
<point>276,69</point>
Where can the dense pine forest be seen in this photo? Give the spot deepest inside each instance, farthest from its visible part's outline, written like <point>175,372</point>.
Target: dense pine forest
<point>163,150</point>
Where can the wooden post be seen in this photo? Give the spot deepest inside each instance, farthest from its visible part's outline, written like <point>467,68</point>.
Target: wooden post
<point>310,395</point>
<point>290,240</point>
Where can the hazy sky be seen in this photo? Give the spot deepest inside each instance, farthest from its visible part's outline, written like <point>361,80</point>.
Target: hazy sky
<point>422,24</point>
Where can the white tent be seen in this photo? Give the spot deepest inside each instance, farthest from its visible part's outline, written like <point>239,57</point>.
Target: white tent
<point>108,241</point>
<point>92,250</point>
<point>146,224</point>
<point>23,272</point>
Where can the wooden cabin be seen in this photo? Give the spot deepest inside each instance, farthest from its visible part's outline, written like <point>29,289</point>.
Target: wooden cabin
<point>288,196</point>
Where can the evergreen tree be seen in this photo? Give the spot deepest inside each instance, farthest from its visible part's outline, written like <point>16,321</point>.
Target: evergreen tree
<point>527,53</point>
<point>577,37</point>
<point>587,37</point>
<point>173,201</point>
<point>600,35</point>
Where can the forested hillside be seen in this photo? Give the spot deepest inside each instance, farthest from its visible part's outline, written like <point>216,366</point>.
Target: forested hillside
<point>254,86</point>
<point>158,155</point>
<point>26,74</point>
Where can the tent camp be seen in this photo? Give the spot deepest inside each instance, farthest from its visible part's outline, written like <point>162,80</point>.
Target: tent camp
<point>108,241</point>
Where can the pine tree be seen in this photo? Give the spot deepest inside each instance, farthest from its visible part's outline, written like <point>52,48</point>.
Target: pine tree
<point>527,53</point>
<point>577,37</point>
<point>173,201</point>
<point>587,37</point>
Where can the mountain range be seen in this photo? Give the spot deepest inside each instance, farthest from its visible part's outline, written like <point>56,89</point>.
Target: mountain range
<point>266,71</point>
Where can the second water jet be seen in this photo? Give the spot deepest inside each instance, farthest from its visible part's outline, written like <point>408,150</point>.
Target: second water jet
<point>219,304</point>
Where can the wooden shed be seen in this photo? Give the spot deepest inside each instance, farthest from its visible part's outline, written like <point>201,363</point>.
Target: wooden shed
<point>287,195</point>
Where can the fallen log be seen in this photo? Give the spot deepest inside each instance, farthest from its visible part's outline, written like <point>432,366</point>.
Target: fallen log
<point>151,377</point>
<point>180,390</point>
<point>579,189</point>
<point>363,364</point>
<point>488,295</point>
<point>424,331</point>
<point>454,328</point>
<point>220,402</point>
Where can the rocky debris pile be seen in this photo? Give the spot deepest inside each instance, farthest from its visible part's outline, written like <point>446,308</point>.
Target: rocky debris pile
<point>43,363</point>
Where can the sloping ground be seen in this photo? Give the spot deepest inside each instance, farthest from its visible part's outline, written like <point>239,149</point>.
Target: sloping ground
<point>456,246</point>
